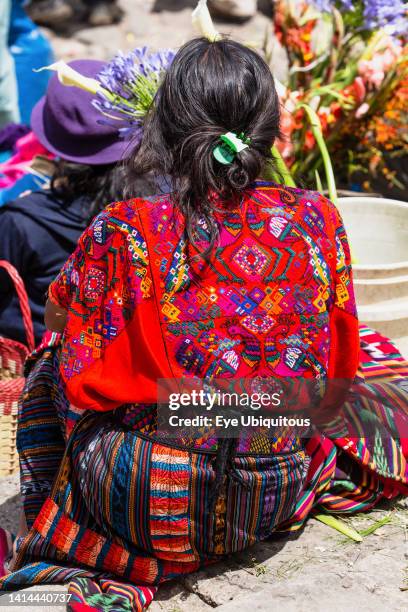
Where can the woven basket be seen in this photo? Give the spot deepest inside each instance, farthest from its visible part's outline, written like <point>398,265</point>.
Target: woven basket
<point>12,357</point>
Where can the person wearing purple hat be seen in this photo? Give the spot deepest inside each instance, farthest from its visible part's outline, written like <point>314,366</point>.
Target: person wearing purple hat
<point>40,230</point>
<point>67,124</point>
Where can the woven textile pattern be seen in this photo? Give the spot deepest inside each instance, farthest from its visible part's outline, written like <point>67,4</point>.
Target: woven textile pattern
<point>268,303</point>
<point>127,511</point>
<point>98,530</point>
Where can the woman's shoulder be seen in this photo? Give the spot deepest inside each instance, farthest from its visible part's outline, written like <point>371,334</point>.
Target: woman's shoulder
<point>299,199</point>
<point>136,214</point>
<point>25,202</point>
<point>130,211</point>
<point>121,216</point>
<point>121,224</point>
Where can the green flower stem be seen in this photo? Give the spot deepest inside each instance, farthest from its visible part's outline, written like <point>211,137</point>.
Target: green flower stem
<point>281,172</point>
<point>317,133</point>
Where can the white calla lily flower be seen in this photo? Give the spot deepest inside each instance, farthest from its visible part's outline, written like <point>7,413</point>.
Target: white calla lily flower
<point>70,77</point>
<point>281,89</point>
<point>202,21</point>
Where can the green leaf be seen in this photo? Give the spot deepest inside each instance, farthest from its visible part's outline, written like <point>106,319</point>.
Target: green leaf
<point>318,181</point>
<point>376,525</point>
<point>341,526</point>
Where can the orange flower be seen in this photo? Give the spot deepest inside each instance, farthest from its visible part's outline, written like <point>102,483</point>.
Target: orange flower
<point>309,140</point>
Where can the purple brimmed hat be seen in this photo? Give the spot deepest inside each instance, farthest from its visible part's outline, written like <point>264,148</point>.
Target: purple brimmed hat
<point>68,125</point>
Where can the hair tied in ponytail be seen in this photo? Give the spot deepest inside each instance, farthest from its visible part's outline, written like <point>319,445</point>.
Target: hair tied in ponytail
<point>232,144</point>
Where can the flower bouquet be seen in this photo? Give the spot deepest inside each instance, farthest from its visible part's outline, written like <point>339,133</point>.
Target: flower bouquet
<point>124,89</point>
<point>128,86</point>
<point>348,61</point>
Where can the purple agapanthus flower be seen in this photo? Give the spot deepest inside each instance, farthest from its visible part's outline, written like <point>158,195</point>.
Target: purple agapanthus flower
<point>389,14</point>
<point>131,81</point>
<point>326,5</point>
<point>123,69</point>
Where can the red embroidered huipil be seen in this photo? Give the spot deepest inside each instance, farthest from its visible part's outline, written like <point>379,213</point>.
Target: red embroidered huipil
<point>276,299</point>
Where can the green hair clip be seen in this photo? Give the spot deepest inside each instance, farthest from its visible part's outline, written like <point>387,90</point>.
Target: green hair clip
<point>232,144</point>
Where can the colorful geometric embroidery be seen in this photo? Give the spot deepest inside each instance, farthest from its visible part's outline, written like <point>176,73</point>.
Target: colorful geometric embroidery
<point>269,291</point>
<point>252,259</point>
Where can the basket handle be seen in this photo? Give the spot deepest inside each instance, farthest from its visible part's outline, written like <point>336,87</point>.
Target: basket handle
<point>23,301</point>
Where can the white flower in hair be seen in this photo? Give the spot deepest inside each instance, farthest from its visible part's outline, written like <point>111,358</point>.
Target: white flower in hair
<point>203,23</point>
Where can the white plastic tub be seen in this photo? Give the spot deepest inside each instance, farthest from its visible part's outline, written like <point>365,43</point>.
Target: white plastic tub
<point>378,233</point>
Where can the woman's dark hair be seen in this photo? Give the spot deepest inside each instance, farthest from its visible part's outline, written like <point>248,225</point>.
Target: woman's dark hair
<point>98,186</point>
<point>210,88</point>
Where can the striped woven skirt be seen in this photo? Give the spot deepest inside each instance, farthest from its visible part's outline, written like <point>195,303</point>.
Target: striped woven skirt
<point>112,510</point>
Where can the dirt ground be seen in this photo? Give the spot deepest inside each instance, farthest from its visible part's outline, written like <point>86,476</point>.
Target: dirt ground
<point>156,24</point>
<point>317,569</point>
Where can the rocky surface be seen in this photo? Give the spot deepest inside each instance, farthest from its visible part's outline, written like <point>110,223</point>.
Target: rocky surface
<point>317,569</point>
<point>155,23</point>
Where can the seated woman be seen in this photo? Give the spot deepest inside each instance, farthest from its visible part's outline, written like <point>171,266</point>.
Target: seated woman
<point>226,278</point>
<point>40,230</point>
